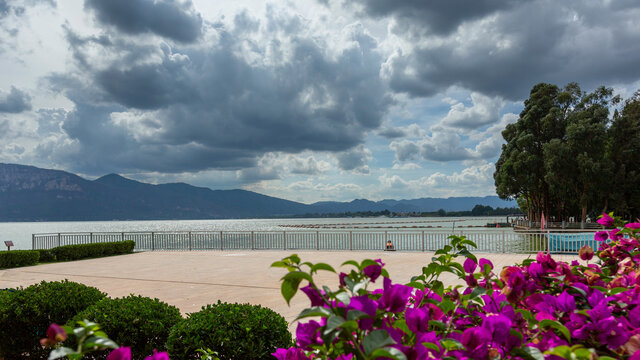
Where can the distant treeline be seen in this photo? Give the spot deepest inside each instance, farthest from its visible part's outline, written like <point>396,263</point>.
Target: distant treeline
<point>478,210</point>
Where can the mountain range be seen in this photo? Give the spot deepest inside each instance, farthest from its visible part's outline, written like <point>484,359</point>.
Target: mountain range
<point>29,193</point>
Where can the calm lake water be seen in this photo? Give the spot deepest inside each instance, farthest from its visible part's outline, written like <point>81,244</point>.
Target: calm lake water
<point>20,232</point>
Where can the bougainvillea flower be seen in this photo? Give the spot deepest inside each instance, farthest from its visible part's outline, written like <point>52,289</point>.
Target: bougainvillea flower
<point>308,334</point>
<point>469,266</point>
<point>314,295</point>
<point>374,271</point>
<point>417,319</point>
<point>121,353</point>
<point>55,334</point>
<point>497,326</point>
<point>290,354</point>
<point>546,261</point>
<point>601,236</point>
<point>586,253</point>
<point>366,305</point>
<point>615,235</point>
<point>395,296</point>
<point>482,262</point>
<point>341,276</point>
<point>471,280</point>
<point>565,302</point>
<point>476,340</point>
<point>158,356</point>
<point>605,220</point>
<point>635,225</point>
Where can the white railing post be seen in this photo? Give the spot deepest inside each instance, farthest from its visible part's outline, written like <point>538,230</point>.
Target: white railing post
<point>504,241</point>
<point>252,242</point>
<point>58,239</point>
<point>153,241</point>
<point>317,240</point>
<point>284,239</point>
<point>33,241</point>
<point>189,240</point>
<point>351,240</point>
<point>422,240</point>
<point>221,246</point>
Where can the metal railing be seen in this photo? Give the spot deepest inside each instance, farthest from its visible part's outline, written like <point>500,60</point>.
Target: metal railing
<point>506,241</point>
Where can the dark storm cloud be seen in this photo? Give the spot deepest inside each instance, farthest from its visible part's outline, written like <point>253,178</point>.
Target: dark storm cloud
<point>209,107</point>
<point>506,50</point>
<point>170,19</point>
<point>438,17</point>
<point>15,101</point>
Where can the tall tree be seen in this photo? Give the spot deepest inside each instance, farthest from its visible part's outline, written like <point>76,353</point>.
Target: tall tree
<point>623,150</point>
<point>520,168</point>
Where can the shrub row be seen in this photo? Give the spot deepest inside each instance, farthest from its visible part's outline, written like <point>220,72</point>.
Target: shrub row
<point>82,251</point>
<point>16,258</point>
<point>234,331</point>
<point>25,314</point>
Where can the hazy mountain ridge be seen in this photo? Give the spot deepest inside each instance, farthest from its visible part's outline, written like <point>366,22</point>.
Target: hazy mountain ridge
<point>29,193</point>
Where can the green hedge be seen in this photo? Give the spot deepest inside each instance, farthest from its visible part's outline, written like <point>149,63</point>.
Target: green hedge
<point>82,251</point>
<point>25,315</point>
<point>46,255</point>
<point>16,258</point>
<point>234,331</point>
<point>139,322</point>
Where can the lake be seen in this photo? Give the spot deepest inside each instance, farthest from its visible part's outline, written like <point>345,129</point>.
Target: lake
<point>20,232</point>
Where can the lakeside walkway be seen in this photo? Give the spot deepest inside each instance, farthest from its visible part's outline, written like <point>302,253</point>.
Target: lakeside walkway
<point>189,280</point>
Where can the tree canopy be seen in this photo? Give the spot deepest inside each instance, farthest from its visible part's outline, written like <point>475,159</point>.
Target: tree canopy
<point>568,157</point>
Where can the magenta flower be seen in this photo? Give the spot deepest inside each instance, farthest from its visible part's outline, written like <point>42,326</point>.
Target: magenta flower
<point>121,353</point>
<point>290,354</point>
<point>345,357</point>
<point>314,295</point>
<point>634,225</point>
<point>342,276</point>
<point>366,305</point>
<point>565,302</point>
<point>498,327</point>
<point>394,297</point>
<point>55,334</point>
<point>601,236</point>
<point>308,334</point>
<point>605,220</point>
<point>374,271</point>
<point>469,266</point>
<point>158,356</point>
<point>482,262</point>
<point>585,253</point>
<point>615,235</point>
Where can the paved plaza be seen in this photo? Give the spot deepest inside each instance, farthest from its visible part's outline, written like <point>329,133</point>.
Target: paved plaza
<point>190,280</point>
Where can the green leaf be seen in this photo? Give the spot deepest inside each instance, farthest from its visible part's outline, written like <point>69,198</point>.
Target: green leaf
<point>617,290</point>
<point>437,324</point>
<point>558,326</point>
<point>447,305</point>
<point>60,353</point>
<point>417,285</point>
<point>478,291</point>
<point>351,262</point>
<point>289,288</point>
<point>528,353</point>
<point>294,259</point>
<point>297,275</point>
<point>322,266</point>
<point>333,322</point>
<point>314,311</point>
<point>376,340</point>
<point>356,314</point>
<point>100,342</point>
<point>451,344</point>
<point>580,291</point>
<point>431,346</point>
<point>388,352</point>
<point>344,297</point>
<point>280,264</point>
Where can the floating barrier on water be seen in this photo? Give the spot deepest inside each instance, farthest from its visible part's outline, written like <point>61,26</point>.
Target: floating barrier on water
<point>571,242</point>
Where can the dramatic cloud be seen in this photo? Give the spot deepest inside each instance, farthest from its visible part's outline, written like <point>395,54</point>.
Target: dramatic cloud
<point>356,160</point>
<point>15,101</point>
<point>273,166</point>
<point>485,110</point>
<point>171,19</point>
<point>434,16</point>
<point>222,104</point>
<point>506,51</point>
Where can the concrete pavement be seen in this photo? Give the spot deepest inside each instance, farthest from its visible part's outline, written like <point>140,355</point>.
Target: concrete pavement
<point>189,280</point>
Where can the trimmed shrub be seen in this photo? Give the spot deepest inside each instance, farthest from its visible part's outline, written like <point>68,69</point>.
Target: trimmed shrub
<point>139,322</point>
<point>25,314</point>
<point>83,251</point>
<point>46,255</point>
<point>234,331</point>
<point>17,258</point>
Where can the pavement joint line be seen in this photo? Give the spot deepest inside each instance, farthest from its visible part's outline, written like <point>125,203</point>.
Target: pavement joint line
<point>155,280</point>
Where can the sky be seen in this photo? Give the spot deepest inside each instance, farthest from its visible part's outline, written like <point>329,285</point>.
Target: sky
<point>307,100</point>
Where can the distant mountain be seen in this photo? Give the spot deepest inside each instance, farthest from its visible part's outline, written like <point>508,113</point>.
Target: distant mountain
<point>28,193</point>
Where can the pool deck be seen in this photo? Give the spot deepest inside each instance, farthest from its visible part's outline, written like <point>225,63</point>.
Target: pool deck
<point>190,280</point>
